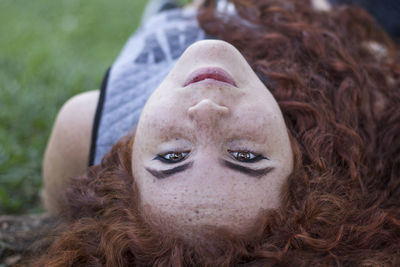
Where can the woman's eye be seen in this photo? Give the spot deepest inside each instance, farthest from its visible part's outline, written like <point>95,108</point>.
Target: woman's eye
<point>246,156</point>
<point>172,157</point>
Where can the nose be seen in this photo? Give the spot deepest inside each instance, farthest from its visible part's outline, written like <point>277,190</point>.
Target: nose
<point>207,113</point>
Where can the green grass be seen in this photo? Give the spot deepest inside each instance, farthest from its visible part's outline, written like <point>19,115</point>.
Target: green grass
<point>49,51</point>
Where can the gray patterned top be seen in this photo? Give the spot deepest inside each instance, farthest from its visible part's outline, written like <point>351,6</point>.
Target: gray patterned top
<point>142,65</point>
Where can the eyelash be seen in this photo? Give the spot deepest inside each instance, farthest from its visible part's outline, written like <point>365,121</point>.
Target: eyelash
<point>255,158</point>
<point>162,157</point>
<point>234,154</point>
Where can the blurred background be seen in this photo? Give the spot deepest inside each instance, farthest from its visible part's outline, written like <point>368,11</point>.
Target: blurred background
<point>49,51</point>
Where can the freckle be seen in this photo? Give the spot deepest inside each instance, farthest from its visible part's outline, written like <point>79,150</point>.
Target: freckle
<point>197,211</point>
<point>190,220</point>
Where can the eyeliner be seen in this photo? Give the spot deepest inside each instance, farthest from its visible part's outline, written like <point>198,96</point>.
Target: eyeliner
<point>166,173</point>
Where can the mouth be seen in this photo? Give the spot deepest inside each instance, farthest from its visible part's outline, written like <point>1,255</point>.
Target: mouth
<point>216,74</point>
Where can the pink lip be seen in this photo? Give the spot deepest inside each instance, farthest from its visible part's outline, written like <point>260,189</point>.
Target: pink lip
<point>217,74</point>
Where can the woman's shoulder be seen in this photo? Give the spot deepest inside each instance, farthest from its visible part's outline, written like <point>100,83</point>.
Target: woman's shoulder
<point>67,151</point>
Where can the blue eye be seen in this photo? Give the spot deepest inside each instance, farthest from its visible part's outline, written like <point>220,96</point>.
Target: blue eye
<point>246,156</point>
<point>172,157</point>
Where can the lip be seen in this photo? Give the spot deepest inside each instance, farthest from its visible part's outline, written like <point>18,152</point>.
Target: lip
<point>216,74</point>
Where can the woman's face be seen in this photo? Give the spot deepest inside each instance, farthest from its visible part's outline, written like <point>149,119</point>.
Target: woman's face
<point>211,146</point>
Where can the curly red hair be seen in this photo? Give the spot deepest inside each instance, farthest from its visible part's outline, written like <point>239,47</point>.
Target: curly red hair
<point>336,77</point>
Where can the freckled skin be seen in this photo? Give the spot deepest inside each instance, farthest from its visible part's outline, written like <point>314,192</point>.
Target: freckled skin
<point>208,119</point>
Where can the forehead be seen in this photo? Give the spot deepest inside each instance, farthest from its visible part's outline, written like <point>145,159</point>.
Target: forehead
<point>209,194</point>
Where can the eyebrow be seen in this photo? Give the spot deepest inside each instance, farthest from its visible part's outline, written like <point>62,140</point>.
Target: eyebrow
<point>257,173</point>
<point>170,172</point>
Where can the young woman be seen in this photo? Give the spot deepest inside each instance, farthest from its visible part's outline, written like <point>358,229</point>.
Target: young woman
<point>277,146</point>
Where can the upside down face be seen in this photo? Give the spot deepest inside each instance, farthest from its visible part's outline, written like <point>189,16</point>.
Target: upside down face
<point>211,146</point>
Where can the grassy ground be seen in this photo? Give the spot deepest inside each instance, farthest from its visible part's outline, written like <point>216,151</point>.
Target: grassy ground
<point>49,51</point>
